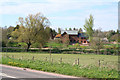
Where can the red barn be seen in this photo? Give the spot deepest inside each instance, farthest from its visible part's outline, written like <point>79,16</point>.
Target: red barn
<point>72,36</point>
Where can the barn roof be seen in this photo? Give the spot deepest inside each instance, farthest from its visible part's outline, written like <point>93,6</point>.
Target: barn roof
<point>70,32</point>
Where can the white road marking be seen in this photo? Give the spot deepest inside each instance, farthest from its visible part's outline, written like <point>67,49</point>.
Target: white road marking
<point>3,74</point>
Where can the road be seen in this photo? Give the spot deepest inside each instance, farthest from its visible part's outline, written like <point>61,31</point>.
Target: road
<point>15,73</point>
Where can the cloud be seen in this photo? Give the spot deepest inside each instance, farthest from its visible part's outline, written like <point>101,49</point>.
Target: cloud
<point>50,6</point>
<point>54,10</point>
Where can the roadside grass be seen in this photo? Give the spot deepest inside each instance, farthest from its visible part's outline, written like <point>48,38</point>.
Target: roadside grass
<point>88,71</point>
<point>110,61</point>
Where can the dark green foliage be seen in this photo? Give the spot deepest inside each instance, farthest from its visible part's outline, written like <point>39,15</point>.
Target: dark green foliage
<point>59,31</point>
<point>70,28</point>
<point>12,44</point>
<point>17,27</point>
<point>12,50</point>
<point>3,44</point>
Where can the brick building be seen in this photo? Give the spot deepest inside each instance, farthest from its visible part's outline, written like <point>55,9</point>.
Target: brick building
<point>72,36</point>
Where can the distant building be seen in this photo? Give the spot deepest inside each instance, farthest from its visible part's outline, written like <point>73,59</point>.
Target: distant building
<point>73,36</point>
<point>105,39</point>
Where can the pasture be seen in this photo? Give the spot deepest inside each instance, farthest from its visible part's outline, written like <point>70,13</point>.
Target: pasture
<point>109,61</point>
<point>90,65</point>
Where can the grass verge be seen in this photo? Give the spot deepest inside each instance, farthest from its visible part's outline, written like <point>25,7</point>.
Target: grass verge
<point>63,68</point>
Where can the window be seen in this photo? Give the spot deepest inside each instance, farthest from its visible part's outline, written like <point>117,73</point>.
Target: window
<point>74,41</point>
<point>84,41</point>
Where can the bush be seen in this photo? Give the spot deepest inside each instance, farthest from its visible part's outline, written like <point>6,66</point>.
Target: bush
<point>3,44</point>
<point>56,50</point>
<point>35,45</point>
<point>22,45</point>
<point>12,44</point>
<point>12,50</point>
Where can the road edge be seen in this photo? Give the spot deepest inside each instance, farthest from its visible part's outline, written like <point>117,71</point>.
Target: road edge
<point>37,71</point>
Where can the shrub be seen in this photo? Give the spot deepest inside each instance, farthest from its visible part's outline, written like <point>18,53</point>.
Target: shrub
<point>12,44</point>
<point>3,44</point>
<point>12,50</point>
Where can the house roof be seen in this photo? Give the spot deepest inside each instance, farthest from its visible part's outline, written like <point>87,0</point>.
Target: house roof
<point>70,32</point>
<point>82,35</point>
<point>58,35</point>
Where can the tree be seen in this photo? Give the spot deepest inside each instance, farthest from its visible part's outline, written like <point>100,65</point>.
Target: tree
<point>31,30</point>
<point>70,28</point>
<point>88,27</point>
<point>66,29</point>
<point>80,30</point>
<point>115,37</point>
<point>109,34</point>
<point>4,36</point>
<point>54,33</point>
<point>17,27</point>
<point>59,31</point>
<point>50,32</point>
<point>97,42</point>
<point>74,29</point>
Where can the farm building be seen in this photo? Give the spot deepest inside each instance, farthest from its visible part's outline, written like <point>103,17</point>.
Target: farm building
<point>73,36</point>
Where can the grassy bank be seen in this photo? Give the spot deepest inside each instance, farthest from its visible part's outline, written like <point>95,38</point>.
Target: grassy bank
<point>89,71</point>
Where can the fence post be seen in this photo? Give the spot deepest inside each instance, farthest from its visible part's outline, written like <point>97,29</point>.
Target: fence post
<point>75,62</point>
<point>52,60</point>
<point>46,59</point>
<point>78,61</point>
<point>61,60</point>
<point>99,63</point>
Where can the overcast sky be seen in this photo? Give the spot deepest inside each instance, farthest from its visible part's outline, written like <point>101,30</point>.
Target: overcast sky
<point>62,13</point>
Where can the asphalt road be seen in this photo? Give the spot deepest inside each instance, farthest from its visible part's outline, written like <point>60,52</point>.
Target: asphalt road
<point>15,73</point>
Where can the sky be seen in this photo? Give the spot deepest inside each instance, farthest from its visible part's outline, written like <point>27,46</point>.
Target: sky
<point>62,13</point>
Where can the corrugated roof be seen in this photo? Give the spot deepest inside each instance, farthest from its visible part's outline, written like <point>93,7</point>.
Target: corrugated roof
<point>70,32</point>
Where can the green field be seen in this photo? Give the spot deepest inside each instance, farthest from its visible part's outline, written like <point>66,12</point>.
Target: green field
<point>84,59</point>
<point>89,65</point>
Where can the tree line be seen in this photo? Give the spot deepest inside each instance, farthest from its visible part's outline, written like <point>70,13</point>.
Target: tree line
<point>34,30</point>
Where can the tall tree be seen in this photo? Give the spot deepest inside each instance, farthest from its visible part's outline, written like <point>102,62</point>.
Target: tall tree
<point>73,28</point>
<point>66,29</point>
<point>4,36</point>
<point>109,34</point>
<point>80,30</point>
<point>88,27</point>
<point>9,31</point>
<point>17,27</point>
<point>54,33</point>
<point>59,31</point>
<point>31,29</point>
<point>70,28</point>
<point>50,32</point>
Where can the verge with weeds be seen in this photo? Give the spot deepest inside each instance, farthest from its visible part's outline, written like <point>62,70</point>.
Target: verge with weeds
<point>89,71</point>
